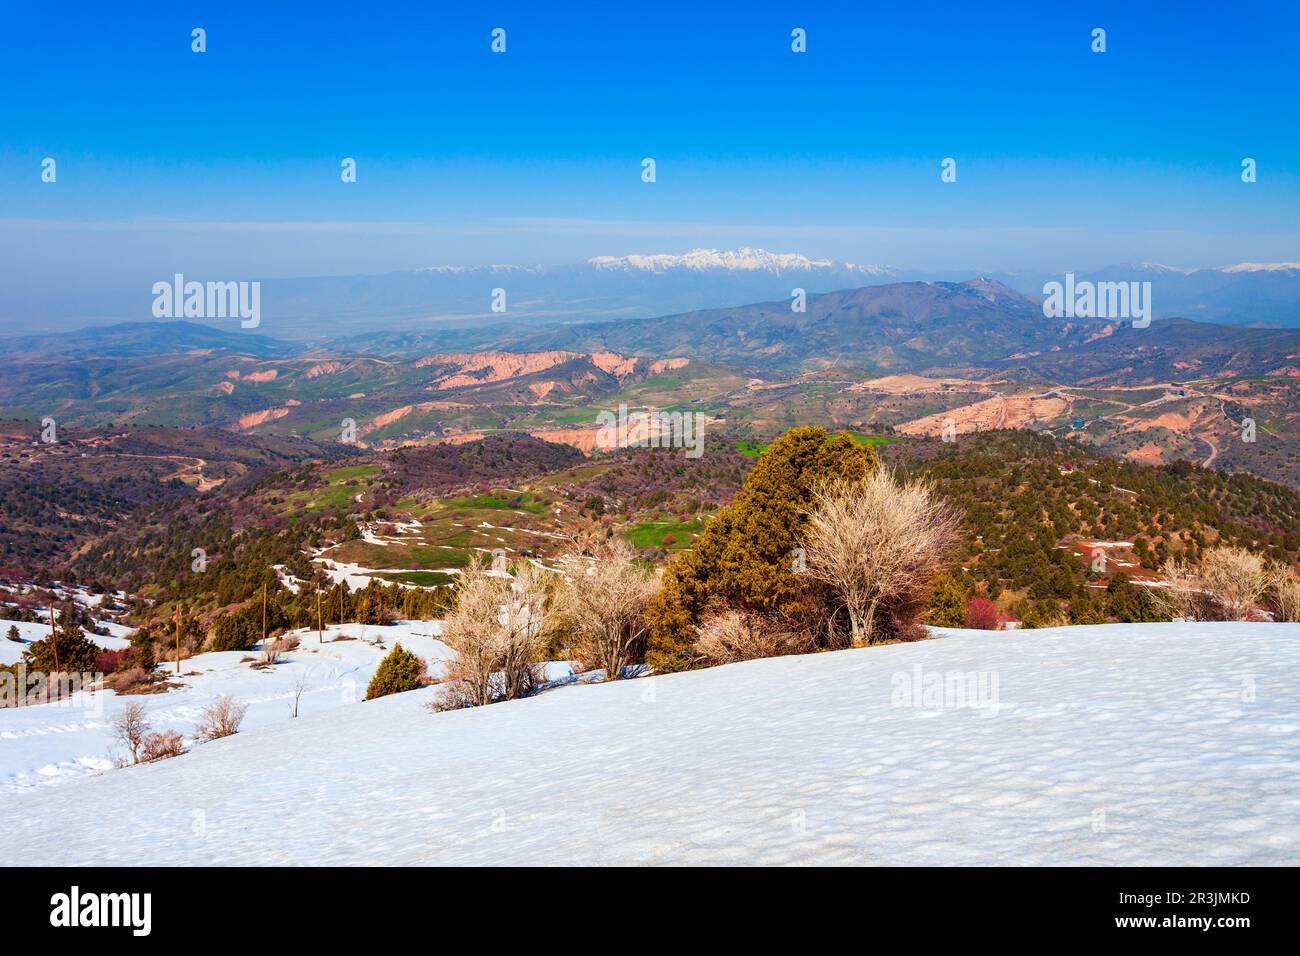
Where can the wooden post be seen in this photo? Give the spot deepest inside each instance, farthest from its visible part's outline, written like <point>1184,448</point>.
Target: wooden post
<point>54,636</point>
<point>320,626</point>
<point>264,612</point>
<point>178,640</point>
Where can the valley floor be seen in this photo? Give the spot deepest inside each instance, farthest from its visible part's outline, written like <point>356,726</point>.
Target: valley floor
<point>1116,744</point>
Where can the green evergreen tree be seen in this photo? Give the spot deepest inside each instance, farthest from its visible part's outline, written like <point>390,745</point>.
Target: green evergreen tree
<point>947,603</point>
<point>1087,608</point>
<point>746,554</point>
<point>76,653</point>
<point>1131,604</point>
<point>398,672</point>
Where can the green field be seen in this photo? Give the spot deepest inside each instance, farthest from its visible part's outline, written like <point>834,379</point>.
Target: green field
<point>336,492</point>
<point>497,501</point>
<point>650,534</point>
<point>753,448</point>
<point>422,578</point>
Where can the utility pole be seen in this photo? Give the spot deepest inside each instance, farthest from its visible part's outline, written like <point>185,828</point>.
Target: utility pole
<point>54,637</point>
<point>263,612</point>
<point>320,626</point>
<point>178,640</point>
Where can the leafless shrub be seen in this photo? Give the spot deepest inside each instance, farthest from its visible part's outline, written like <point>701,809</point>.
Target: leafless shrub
<point>497,630</point>
<point>1182,597</point>
<point>1285,589</point>
<point>606,609</point>
<point>136,680</point>
<point>289,643</point>
<point>1237,578</point>
<point>130,726</point>
<point>297,689</point>
<point>221,719</point>
<point>879,543</point>
<point>730,635</point>
<point>271,651</point>
<point>160,745</point>
<point>1227,585</point>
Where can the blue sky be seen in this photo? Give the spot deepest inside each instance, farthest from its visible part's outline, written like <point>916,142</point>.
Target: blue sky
<point>227,163</point>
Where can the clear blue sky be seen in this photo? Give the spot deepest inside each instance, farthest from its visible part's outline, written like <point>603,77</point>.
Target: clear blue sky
<point>227,163</point>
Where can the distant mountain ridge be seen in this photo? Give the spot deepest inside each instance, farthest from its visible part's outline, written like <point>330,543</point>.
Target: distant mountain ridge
<point>646,285</point>
<point>746,259</point>
<point>1248,293</point>
<point>134,339</point>
<point>883,328</point>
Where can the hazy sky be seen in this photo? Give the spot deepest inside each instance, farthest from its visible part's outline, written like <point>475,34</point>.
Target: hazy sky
<point>226,164</point>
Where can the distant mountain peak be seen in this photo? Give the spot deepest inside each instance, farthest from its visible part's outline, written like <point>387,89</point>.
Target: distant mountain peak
<point>1263,267</point>
<point>746,259</point>
<point>1161,267</point>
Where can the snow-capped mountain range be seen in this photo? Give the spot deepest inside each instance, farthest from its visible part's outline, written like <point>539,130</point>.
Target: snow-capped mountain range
<point>656,284</point>
<point>739,260</point>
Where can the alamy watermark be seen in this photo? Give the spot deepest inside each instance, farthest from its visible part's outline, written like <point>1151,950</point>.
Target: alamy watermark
<point>179,299</point>
<point>651,429</point>
<point>74,908</point>
<point>943,690</point>
<point>20,687</point>
<point>1086,299</point>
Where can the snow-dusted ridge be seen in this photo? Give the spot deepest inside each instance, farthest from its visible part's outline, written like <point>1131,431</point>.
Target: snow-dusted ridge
<point>1263,267</point>
<point>1117,744</point>
<point>746,259</point>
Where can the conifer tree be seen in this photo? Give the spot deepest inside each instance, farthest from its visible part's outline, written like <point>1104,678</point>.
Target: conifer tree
<point>398,672</point>
<point>746,554</point>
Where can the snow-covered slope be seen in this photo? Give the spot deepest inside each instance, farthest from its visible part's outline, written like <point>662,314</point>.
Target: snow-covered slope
<point>11,652</point>
<point>51,743</point>
<point>1150,744</point>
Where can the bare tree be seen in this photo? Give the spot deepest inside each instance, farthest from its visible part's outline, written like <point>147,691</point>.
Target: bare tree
<point>497,629</point>
<point>606,609</point>
<point>878,540</point>
<point>221,719</point>
<point>130,725</point>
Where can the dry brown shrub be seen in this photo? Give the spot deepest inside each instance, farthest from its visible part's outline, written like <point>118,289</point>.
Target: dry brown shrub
<point>160,745</point>
<point>221,719</point>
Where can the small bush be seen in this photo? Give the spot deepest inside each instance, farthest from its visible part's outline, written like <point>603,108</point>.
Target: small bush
<point>982,614</point>
<point>160,745</point>
<point>133,680</point>
<point>400,671</point>
<point>735,635</point>
<point>110,662</point>
<point>222,719</point>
